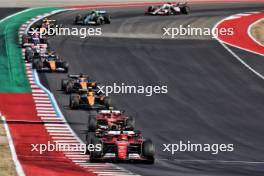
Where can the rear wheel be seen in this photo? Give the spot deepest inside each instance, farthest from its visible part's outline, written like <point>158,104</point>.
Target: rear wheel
<point>150,8</point>
<point>185,10</point>
<point>107,19</point>
<point>90,137</point>
<point>99,21</point>
<point>92,123</point>
<point>69,87</point>
<point>37,64</point>
<point>74,101</point>
<point>77,19</point>
<point>130,123</point>
<point>64,83</point>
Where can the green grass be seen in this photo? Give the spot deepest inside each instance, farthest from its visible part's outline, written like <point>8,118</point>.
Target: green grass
<point>12,69</point>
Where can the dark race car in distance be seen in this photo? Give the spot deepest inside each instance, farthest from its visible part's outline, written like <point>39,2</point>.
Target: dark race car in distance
<point>89,99</point>
<point>30,39</point>
<point>123,146</point>
<point>93,18</point>
<point>110,120</point>
<point>50,63</point>
<point>106,120</point>
<point>35,51</point>
<point>74,83</point>
<point>169,9</point>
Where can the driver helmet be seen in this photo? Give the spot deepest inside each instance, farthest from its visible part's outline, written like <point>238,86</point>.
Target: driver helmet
<point>46,20</point>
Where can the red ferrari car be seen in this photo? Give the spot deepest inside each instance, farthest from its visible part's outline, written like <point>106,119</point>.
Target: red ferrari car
<point>106,120</point>
<point>123,146</point>
<point>110,120</point>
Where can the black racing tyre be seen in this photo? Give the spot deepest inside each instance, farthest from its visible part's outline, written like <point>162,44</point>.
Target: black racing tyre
<point>107,102</point>
<point>148,149</point>
<point>99,21</point>
<point>130,124</point>
<point>37,64</point>
<point>64,83</point>
<point>107,19</point>
<point>34,62</point>
<point>92,123</point>
<point>74,101</point>
<point>185,10</point>
<point>150,9</point>
<point>24,39</point>
<point>65,65</point>
<point>77,19</point>
<point>92,113</point>
<point>91,136</point>
<point>95,155</point>
<point>69,87</point>
<point>29,54</point>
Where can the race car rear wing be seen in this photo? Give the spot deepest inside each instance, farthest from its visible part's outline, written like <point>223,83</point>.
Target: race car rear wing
<point>76,76</point>
<point>108,111</point>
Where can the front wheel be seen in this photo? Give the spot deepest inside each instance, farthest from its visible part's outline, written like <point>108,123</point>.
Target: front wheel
<point>148,151</point>
<point>74,101</point>
<point>95,155</point>
<point>65,66</point>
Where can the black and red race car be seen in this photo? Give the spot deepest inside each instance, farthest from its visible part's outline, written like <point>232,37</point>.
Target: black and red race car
<point>29,39</point>
<point>105,120</point>
<point>121,146</point>
<point>110,120</point>
<point>169,9</point>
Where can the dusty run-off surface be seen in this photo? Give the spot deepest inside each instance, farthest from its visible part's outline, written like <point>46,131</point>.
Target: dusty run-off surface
<point>7,167</point>
<point>258,31</point>
<point>38,3</point>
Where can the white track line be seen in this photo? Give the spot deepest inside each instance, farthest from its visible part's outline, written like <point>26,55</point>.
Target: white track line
<point>235,55</point>
<point>225,42</point>
<point>249,32</point>
<point>44,108</point>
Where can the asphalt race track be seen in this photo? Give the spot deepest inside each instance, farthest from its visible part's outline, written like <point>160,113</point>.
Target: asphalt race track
<point>8,11</point>
<point>212,98</point>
